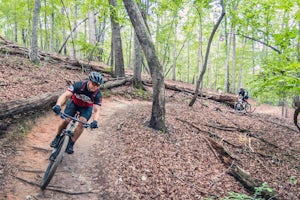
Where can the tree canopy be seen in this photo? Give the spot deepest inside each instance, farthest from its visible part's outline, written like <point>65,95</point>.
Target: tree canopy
<point>258,41</point>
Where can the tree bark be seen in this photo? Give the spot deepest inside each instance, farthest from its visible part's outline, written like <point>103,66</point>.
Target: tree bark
<point>92,30</point>
<point>138,59</point>
<point>296,116</point>
<point>12,108</point>
<point>157,120</point>
<point>137,63</point>
<point>206,56</point>
<point>117,42</point>
<point>34,42</point>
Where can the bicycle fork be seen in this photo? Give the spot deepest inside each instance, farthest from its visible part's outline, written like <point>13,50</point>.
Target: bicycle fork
<point>56,149</point>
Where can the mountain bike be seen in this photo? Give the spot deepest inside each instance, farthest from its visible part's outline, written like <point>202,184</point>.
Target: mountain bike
<point>59,150</point>
<point>243,105</point>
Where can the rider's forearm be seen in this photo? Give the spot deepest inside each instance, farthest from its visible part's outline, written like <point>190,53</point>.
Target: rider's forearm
<point>63,98</point>
<point>96,114</point>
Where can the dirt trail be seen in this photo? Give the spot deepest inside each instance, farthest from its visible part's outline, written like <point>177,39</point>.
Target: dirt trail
<point>77,173</point>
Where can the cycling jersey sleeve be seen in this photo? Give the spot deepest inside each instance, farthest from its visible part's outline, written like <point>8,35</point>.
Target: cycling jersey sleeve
<point>75,87</point>
<point>98,99</point>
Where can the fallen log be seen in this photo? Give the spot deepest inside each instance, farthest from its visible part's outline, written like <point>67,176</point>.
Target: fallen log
<point>234,170</point>
<point>228,99</point>
<point>12,108</point>
<point>239,174</point>
<point>18,109</point>
<point>116,83</point>
<point>11,48</point>
<point>12,111</point>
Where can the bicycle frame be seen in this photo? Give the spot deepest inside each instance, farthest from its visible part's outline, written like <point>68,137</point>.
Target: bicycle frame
<point>59,151</point>
<point>243,105</point>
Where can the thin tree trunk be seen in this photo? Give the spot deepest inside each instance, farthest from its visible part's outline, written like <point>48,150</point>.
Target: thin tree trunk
<point>228,45</point>
<point>71,32</point>
<point>52,33</point>
<point>41,35</point>
<point>188,53</point>
<point>137,63</point>
<point>75,25</point>
<point>16,26</point>
<point>34,42</point>
<point>117,42</point>
<point>67,38</point>
<point>174,54</point>
<point>92,30</point>
<point>233,64</point>
<point>46,47</point>
<point>206,55</point>
<point>200,48</point>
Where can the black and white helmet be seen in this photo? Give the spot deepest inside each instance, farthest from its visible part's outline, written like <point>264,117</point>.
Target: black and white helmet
<point>96,77</point>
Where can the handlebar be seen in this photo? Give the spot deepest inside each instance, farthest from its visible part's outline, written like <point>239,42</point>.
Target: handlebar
<point>64,116</point>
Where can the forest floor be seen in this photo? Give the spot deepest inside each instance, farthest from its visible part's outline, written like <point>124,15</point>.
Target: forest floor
<point>125,159</point>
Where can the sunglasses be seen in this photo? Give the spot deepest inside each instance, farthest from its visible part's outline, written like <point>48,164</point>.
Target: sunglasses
<point>95,84</point>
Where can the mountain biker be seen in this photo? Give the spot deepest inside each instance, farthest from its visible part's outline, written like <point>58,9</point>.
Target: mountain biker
<point>86,98</point>
<point>243,93</point>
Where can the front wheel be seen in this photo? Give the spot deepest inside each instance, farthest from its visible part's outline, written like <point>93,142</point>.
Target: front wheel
<point>55,158</point>
<point>247,107</point>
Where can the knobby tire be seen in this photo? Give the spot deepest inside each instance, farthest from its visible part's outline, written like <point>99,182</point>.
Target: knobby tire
<point>54,163</point>
<point>248,108</point>
<point>237,106</point>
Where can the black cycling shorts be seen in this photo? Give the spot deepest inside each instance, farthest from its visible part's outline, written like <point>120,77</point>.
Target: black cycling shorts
<point>72,108</point>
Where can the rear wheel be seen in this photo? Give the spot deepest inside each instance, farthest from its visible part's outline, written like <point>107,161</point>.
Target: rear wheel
<point>55,158</point>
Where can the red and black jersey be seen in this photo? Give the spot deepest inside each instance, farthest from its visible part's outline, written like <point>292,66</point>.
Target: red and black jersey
<point>83,97</point>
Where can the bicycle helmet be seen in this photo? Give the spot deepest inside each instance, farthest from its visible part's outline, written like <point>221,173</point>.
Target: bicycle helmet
<point>96,77</point>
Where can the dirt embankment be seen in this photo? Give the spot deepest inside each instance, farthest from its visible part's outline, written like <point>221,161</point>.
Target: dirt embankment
<point>77,174</point>
<point>124,159</point>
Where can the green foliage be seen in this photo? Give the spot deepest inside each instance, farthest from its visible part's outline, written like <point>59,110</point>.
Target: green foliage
<point>272,22</point>
<point>259,191</point>
<point>237,196</point>
<point>264,188</point>
<point>293,180</point>
<point>281,79</point>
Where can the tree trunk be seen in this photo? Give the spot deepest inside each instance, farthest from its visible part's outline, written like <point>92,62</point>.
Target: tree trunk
<point>206,55</point>
<point>174,53</point>
<point>157,120</point>
<point>92,30</point>
<point>34,42</point>
<point>117,42</point>
<point>16,28</point>
<point>52,33</point>
<point>228,45</point>
<point>296,116</point>
<point>102,37</point>
<point>70,29</point>
<point>137,63</point>
<point>233,83</point>
<point>46,46</point>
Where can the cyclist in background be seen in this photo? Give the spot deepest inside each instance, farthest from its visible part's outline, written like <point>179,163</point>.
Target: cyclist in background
<point>243,94</point>
<point>85,96</point>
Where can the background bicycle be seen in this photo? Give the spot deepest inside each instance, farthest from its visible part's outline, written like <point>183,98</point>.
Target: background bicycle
<point>241,105</point>
<point>59,150</point>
